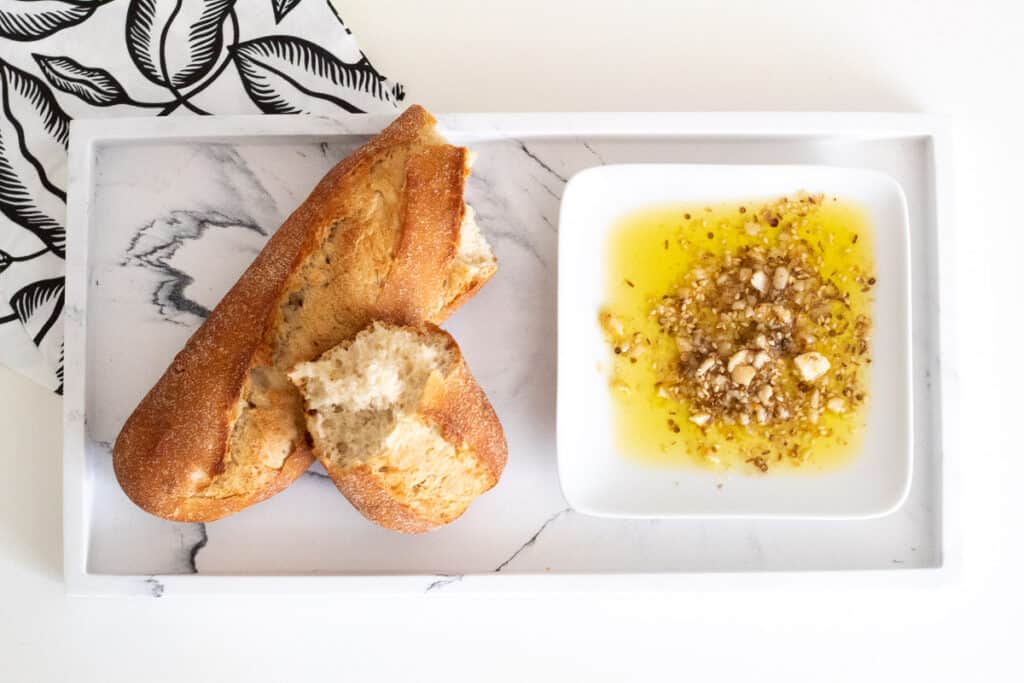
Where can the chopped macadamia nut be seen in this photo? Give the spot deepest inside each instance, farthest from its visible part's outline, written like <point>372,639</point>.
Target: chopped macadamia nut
<point>612,325</point>
<point>811,365</point>
<point>784,315</point>
<point>780,278</point>
<point>836,405</point>
<point>743,375</point>
<point>737,358</point>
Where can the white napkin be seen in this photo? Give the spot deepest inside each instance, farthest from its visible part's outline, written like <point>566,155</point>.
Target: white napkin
<point>61,59</point>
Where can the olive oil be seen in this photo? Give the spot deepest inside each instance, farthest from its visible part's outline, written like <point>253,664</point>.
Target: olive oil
<point>648,252</point>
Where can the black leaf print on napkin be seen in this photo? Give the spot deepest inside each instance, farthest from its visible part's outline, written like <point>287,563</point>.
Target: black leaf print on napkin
<point>283,7</point>
<point>60,372</point>
<point>95,86</point>
<point>288,75</point>
<point>32,127</point>
<point>34,19</point>
<point>6,259</point>
<point>183,46</point>
<point>38,305</point>
<point>174,44</point>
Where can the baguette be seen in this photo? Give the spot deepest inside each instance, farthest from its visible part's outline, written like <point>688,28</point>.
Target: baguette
<point>401,426</point>
<point>385,235</point>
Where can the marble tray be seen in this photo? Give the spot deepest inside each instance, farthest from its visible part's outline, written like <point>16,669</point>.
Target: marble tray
<point>164,214</point>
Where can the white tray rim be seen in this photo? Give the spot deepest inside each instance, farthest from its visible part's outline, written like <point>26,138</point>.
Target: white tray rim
<point>87,134</point>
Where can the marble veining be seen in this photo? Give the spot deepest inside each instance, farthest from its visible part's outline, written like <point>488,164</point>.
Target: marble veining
<point>444,581</point>
<point>155,246</point>
<point>167,244</point>
<point>193,551</point>
<point>156,588</point>
<point>533,539</point>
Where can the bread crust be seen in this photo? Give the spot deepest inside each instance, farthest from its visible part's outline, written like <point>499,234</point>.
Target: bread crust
<point>434,178</point>
<point>175,444</point>
<point>368,495</point>
<point>459,408</point>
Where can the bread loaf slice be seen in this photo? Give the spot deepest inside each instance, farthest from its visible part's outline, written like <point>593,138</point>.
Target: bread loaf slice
<point>401,425</point>
<point>385,235</point>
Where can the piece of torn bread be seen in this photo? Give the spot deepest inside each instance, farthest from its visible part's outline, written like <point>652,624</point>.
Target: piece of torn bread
<point>384,235</point>
<point>401,425</point>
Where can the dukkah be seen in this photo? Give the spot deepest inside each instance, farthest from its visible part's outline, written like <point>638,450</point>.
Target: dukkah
<point>741,333</point>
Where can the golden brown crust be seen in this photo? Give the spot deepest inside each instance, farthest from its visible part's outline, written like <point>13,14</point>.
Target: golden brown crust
<point>458,406</point>
<point>373,501</point>
<point>431,220</point>
<point>175,443</point>
<point>461,411</point>
<point>471,289</point>
<point>200,509</point>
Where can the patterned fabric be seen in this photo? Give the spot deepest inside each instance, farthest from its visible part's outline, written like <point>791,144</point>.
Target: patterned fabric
<point>61,59</point>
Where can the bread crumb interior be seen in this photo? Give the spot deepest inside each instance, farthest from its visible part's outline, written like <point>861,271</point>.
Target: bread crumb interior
<point>363,400</point>
<point>358,390</point>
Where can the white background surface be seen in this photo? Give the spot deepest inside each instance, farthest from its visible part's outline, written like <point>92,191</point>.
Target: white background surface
<point>965,59</point>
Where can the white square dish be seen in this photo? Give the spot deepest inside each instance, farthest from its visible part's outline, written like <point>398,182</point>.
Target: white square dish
<point>596,479</point>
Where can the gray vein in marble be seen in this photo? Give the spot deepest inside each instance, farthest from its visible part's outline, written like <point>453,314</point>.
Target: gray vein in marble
<point>540,162</point>
<point>156,589</point>
<point>238,179</point>
<point>593,151</point>
<point>447,580</point>
<point>521,385</point>
<point>444,581</point>
<point>193,552</point>
<point>532,539</point>
<point>547,189</point>
<point>517,239</point>
<point>488,215</point>
<point>154,245</point>
<point>488,194</point>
